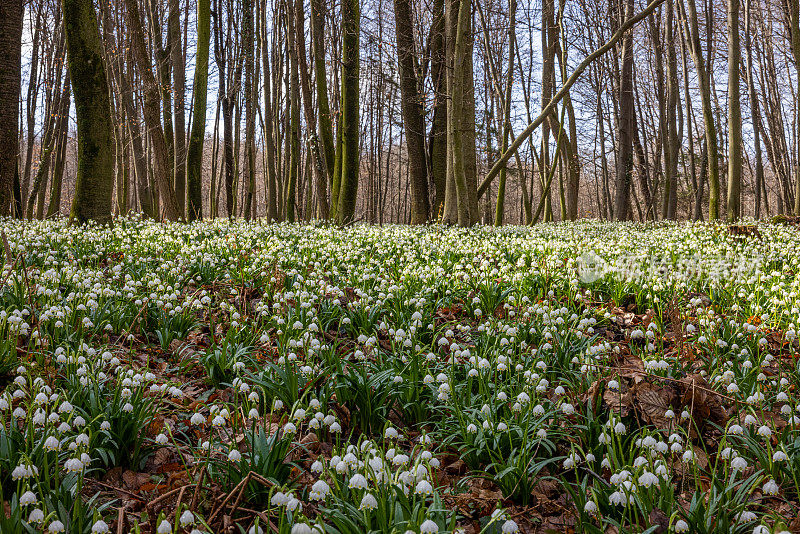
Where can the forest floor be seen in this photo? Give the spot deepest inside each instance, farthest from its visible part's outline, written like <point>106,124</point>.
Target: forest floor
<point>247,377</point>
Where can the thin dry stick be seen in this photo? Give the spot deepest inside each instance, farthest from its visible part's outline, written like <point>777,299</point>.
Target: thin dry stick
<point>668,379</point>
<point>228,497</point>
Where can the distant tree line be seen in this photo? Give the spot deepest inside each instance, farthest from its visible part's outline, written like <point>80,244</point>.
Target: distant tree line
<point>458,111</point>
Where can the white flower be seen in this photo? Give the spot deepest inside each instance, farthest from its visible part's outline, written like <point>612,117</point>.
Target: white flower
<point>198,419</point>
<point>37,516</point>
<point>301,528</point>
<point>423,488</point>
<point>100,527</point>
<point>368,502</point>
<point>510,527</point>
<point>187,518</point>
<point>27,498</point>
<point>162,439</point>
<point>771,487</point>
<point>358,481</point>
<point>164,527</point>
<point>428,527</point>
<point>55,526</point>
<point>618,498</point>
<point>234,455</point>
<point>590,508</point>
<point>319,491</point>
<point>681,526</point>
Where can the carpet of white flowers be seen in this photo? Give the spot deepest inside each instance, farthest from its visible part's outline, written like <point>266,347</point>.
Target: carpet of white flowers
<point>245,377</point>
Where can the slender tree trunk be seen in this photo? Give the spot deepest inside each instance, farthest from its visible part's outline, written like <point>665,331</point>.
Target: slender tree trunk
<point>318,162</point>
<point>152,115</point>
<point>754,111</point>
<point>269,134</point>
<point>734,115</point>
<point>250,82</point>
<point>512,38</point>
<point>200,92</point>
<point>625,125</point>
<point>692,33</point>
<point>61,156</point>
<point>794,31</point>
<point>348,189</point>
<point>321,81</point>
<point>179,116</point>
<point>410,100</point>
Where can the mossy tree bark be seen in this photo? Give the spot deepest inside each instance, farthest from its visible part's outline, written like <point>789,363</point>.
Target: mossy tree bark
<point>194,166</point>
<point>11,12</point>
<point>87,70</point>
<point>348,187</point>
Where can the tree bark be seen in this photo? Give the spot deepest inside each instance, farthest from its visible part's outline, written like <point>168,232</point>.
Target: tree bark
<point>348,189</point>
<point>200,92</point>
<point>11,13</point>
<point>152,115</point>
<point>410,100</point>
<point>95,177</point>
<point>734,115</point>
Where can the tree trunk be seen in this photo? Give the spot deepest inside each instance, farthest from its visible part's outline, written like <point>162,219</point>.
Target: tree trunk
<point>152,115</point>
<point>200,92</point>
<point>734,115</point>
<point>693,35</point>
<point>437,138</point>
<point>754,111</point>
<point>349,125</point>
<point>179,116</point>
<point>411,107</point>
<point>625,125</point>
<point>95,177</point>
<point>11,12</point>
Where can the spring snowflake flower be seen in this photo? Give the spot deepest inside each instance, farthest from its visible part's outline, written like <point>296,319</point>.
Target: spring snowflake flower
<point>368,502</point>
<point>510,527</point>
<point>187,518</point>
<point>319,491</point>
<point>164,527</point>
<point>423,488</point>
<point>100,527</point>
<point>681,526</point>
<point>428,527</point>
<point>55,527</point>
<point>27,498</point>
<point>771,487</point>
<point>301,528</point>
<point>358,481</point>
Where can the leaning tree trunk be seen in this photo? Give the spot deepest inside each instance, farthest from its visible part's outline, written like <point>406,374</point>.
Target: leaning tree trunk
<point>194,163</point>
<point>10,79</point>
<point>95,178</point>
